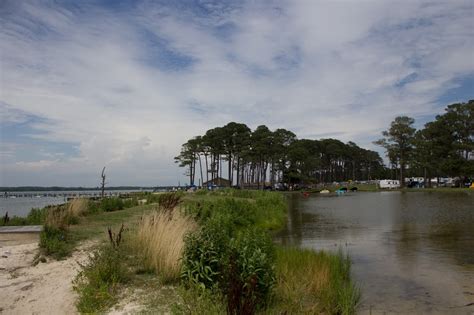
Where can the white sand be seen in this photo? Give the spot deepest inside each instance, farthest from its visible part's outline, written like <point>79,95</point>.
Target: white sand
<point>42,289</point>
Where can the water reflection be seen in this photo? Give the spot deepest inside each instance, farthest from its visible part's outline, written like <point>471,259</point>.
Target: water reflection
<point>412,252</point>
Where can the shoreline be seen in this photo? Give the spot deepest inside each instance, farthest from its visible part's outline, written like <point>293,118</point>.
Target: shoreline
<point>42,288</point>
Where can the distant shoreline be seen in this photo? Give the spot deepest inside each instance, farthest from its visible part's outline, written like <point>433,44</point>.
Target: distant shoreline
<point>59,188</point>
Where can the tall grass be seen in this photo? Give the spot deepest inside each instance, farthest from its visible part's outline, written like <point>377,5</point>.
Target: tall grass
<point>314,282</point>
<point>77,207</point>
<point>160,240</point>
<point>54,239</point>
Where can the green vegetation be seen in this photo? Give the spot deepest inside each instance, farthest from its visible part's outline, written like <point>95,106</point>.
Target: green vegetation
<point>35,217</point>
<point>211,254</point>
<point>442,148</point>
<point>111,204</point>
<point>233,257</point>
<point>262,157</point>
<point>97,283</point>
<point>311,282</point>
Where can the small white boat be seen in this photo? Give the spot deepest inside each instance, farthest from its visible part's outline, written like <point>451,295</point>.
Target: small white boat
<point>324,191</point>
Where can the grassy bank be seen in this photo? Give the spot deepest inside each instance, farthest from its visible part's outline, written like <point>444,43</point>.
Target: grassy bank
<point>203,253</point>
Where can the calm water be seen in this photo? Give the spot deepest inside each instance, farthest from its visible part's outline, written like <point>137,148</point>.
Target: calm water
<point>412,253</point>
<point>21,206</point>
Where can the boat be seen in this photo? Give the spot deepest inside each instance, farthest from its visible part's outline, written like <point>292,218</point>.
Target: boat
<point>324,191</point>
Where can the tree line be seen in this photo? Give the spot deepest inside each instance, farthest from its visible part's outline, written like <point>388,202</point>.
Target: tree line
<point>442,148</point>
<point>264,157</point>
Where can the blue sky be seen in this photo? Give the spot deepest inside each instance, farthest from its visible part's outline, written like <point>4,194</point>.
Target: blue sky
<point>123,84</point>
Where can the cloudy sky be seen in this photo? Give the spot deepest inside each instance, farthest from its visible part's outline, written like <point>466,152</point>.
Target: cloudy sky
<point>123,84</point>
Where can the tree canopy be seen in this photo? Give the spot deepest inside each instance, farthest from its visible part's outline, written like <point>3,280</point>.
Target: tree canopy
<point>443,147</point>
<point>265,157</point>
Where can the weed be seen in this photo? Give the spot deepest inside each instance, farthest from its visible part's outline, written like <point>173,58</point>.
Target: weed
<point>97,283</point>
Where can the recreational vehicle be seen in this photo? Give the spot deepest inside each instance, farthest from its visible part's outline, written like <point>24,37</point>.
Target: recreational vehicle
<point>389,183</point>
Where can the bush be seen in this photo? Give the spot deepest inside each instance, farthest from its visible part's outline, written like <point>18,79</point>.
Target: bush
<point>54,236</point>
<point>249,276</point>
<point>205,254</point>
<point>53,242</point>
<point>37,216</point>
<point>111,204</point>
<point>97,282</point>
<point>239,265</point>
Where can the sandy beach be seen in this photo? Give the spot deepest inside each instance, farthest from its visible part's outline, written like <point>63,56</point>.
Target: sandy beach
<point>42,289</point>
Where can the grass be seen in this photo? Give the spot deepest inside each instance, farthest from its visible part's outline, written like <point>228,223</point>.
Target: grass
<point>160,241</point>
<point>149,260</point>
<point>97,284</point>
<point>310,282</point>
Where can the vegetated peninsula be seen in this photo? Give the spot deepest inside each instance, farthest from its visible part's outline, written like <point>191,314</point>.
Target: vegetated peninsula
<point>203,252</point>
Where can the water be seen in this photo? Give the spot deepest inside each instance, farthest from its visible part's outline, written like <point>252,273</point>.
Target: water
<point>412,253</point>
<point>21,206</point>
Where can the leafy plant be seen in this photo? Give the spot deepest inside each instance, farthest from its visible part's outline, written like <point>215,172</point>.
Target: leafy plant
<point>238,264</point>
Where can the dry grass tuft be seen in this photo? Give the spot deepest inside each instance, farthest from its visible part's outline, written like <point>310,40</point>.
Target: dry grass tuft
<point>57,217</point>
<point>160,239</point>
<point>77,207</point>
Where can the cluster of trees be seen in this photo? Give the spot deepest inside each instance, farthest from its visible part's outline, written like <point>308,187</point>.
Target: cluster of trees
<point>261,157</point>
<point>444,147</point>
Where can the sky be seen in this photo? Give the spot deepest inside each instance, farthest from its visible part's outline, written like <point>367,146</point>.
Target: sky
<point>122,84</point>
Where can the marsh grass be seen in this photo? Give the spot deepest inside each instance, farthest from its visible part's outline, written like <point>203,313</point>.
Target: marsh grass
<point>311,282</point>
<point>160,240</point>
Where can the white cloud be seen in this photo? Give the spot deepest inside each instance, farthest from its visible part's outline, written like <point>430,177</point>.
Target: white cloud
<point>318,67</point>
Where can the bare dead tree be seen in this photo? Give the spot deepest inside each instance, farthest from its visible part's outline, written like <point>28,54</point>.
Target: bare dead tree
<point>102,186</point>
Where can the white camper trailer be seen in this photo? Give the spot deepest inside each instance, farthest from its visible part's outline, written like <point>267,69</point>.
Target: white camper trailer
<point>389,183</point>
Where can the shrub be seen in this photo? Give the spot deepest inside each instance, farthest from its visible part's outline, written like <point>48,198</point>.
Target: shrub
<point>160,240</point>
<point>37,216</point>
<point>205,253</point>
<point>97,282</point>
<point>111,204</point>
<point>239,265</point>
<point>53,242</point>
<point>54,236</point>
<point>249,276</point>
